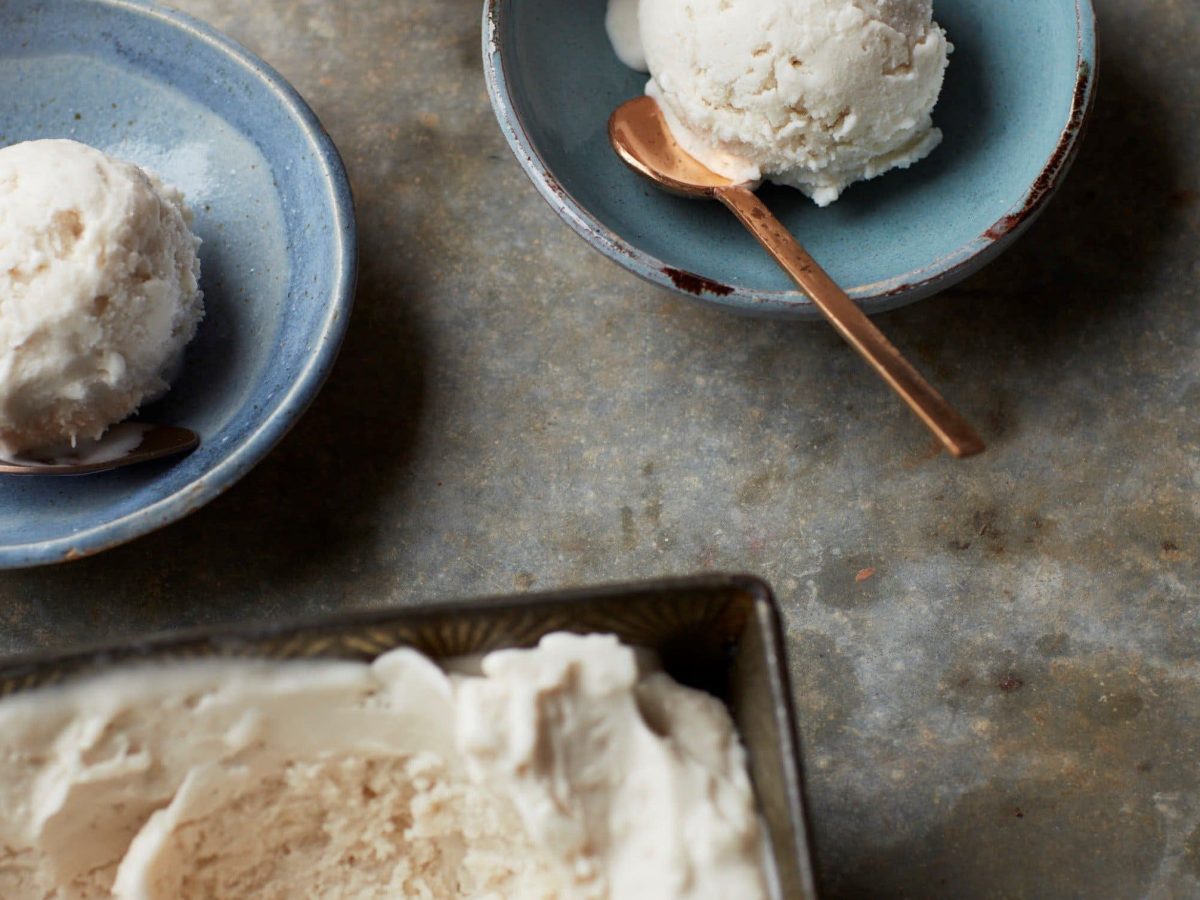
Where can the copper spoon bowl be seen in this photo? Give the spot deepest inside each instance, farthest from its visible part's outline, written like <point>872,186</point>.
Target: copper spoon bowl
<point>126,444</point>
<point>643,140</point>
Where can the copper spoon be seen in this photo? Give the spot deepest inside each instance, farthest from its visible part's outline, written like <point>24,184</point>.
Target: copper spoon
<point>122,445</point>
<point>643,140</point>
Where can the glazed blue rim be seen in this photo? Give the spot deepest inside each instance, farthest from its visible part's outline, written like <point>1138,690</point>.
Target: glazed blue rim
<point>875,297</point>
<point>310,378</point>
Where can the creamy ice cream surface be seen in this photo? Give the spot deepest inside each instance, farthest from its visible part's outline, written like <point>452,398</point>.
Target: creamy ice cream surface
<point>815,94</point>
<point>560,772</point>
<point>98,291</point>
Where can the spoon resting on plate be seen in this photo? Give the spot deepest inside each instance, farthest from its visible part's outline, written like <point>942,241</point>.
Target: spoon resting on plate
<point>122,445</point>
<point>643,140</point>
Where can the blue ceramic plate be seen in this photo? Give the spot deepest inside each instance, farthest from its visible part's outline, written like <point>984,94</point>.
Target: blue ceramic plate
<point>274,211</point>
<point>1018,91</point>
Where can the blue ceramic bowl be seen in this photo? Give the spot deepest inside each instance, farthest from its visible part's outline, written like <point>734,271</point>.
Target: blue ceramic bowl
<point>1018,91</point>
<point>272,206</point>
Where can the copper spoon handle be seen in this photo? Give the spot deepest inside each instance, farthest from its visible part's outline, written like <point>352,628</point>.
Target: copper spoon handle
<point>851,323</point>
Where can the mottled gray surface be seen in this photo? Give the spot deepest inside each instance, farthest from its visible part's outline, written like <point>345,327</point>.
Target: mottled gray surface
<point>996,661</point>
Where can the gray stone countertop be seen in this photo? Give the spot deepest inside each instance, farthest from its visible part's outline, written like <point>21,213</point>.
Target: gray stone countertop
<point>997,662</point>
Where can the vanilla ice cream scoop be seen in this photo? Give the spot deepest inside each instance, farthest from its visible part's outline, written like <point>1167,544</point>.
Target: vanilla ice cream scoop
<point>815,94</point>
<point>98,291</point>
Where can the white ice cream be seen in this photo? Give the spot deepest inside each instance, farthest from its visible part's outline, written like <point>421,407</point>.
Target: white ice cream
<point>560,773</point>
<point>98,291</point>
<point>816,94</point>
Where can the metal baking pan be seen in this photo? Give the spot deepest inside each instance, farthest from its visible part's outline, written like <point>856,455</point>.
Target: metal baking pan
<point>717,633</point>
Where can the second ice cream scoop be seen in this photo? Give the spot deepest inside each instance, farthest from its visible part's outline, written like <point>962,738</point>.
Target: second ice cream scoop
<point>99,291</point>
<point>814,94</point>
<point>644,141</point>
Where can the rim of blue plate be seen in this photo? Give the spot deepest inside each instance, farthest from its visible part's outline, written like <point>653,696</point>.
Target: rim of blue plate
<point>875,297</point>
<point>303,390</point>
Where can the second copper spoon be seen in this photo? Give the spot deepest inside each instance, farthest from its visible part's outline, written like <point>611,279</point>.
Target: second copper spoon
<point>642,138</point>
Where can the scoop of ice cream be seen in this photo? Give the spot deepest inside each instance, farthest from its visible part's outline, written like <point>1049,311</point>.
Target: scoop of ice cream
<point>816,94</point>
<point>98,291</point>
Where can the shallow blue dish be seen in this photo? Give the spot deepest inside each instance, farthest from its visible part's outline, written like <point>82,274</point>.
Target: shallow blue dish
<point>1017,95</point>
<point>272,206</point>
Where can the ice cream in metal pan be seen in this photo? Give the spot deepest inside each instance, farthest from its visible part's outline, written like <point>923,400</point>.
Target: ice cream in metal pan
<point>574,771</point>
